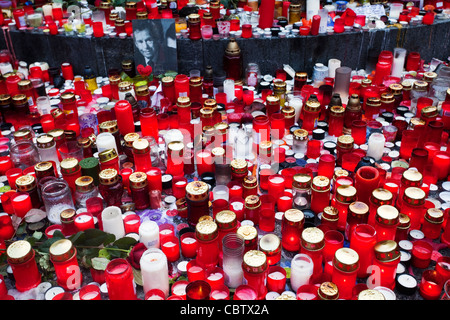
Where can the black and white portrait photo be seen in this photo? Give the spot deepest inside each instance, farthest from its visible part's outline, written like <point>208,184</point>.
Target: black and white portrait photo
<point>155,44</point>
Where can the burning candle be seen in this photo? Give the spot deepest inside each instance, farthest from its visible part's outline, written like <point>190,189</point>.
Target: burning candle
<point>171,248</point>
<point>198,290</point>
<point>188,245</point>
<point>430,285</point>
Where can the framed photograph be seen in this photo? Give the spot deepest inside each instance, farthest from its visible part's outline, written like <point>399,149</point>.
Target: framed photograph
<point>155,45</point>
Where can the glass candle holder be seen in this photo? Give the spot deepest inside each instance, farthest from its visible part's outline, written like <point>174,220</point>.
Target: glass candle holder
<point>171,248</point>
<point>421,254</point>
<point>345,268</point>
<point>90,292</point>
<point>431,285</point>
<point>413,206</point>
<point>358,213</point>
<point>245,292</point>
<point>326,165</point>
<point>386,221</point>
<point>302,268</point>
<point>292,226</point>
<point>366,180</point>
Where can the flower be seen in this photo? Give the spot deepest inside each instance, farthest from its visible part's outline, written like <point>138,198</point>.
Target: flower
<point>135,255</point>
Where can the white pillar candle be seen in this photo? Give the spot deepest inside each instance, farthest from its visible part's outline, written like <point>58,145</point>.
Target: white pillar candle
<point>47,10</point>
<point>398,62</point>
<point>296,103</point>
<point>220,192</point>
<point>376,145</point>
<point>5,67</point>
<point>234,275</point>
<point>323,13</point>
<point>228,88</point>
<point>333,64</point>
<point>301,270</point>
<point>149,234</point>
<point>105,141</point>
<point>113,222</point>
<point>155,271</point>
<point>312,8</point>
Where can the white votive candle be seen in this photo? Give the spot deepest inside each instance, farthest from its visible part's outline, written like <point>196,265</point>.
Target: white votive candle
<point>154,271</point>
<point>301,270</point>
<point>376,145</point>
<point>149,234</point>
<point>228,88</point>
<point>112,221</point>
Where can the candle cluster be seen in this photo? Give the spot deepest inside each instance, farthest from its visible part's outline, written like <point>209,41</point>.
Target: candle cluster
<point>339,178</point>
<point>210,19</point>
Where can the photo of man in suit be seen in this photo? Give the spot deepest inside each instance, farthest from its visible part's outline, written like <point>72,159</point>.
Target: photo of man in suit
<point>155,45</point>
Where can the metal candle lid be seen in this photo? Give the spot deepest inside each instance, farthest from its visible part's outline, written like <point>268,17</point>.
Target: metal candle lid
<point>330,213</point>
<point>270,244</point>
<point>254,261</point>
<point>108,176</point>
<point>288,111</point>
<point>337,111</point>
<point>387,215</point>
<point>300,134</point>
<point>67,215</point>
<point>19,251</point>
<point>345,141</point>
<point>250,182</point>
<point>138,180</point>
<point>249,233</point>
<point>404,221</point>
<point>226,219</point>
<point>107,155</point>
<point>206,230</point>
<point>312,105</point>
<point>232,48</point>
<point>252,202</point>
<point>414,196</point>
<point>197,191</point>
<point>45,141</point>
<point>25,183</point>
<point>381,196</point>
<point>84,184</point>
<point>328,291</point>
<point>141,146</point>
<point>386,251</point>
<point>412,178</point>
<point>272,99</point>
<point>371,294</point>
<point>22,134</point>
<point>69,166</point>
<point>43,169</point>
<point>312,239</point>
<point>239,166</point>
<point>346,260</point>
<point>346,193</point>
<point>358,209</point>
<point>183,102</point>
<point>301,181</point>
<point>109,126</point>
<point>62,250</point>
<point>434,215</point>
<point>320,183</point>
<point>131,137</point>
<point>57,134</point>
<point>294,217</point>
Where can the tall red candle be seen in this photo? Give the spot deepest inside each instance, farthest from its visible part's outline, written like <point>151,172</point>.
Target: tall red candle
<point>124,116</point>
<point>366,180</point>
<point>266,13</point>
<point>119,280</point>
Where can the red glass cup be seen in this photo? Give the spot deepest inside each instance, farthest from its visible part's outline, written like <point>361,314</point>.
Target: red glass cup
<point>194,271</point>
<point>5,164</point>
<point>441,161</point>
<point>90,292</point>
<point>21,203</point>
<point>421,254</point>
<point>326,165</point>
<point>359,131</point>
<point>276,279</point>
<point>431,285</point>
<point>171,248</point>
<point>97,27</point>
<point>246,30</point>
<point>339,25</point>
<point>266,220</point>
<point>305,30</point>
<point>419,159</point>
<point>307,292</point>
<point>12,175</point>
<point>277,124</point>
<point>6,201</point>
<point>362,240</point>
<point>334,240</point>
<point>284,202</point>
<point>413,61</point>
<point>166,231</point>
<point>188,245</point>
<point>215,277</point>
<point>131,223</point>
<point>313,148</point>
<point>443,267</point>
<point>221,292</point>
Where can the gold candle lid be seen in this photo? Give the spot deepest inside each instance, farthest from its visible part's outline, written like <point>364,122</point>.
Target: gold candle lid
<point>346,193</point>
<point>45,141</point>
<point>412,178</point>
<point>5,99</point>
<point>109,126</point>
<point>270,244</point>
<point>226,219</point>
<point>413,122</point>
<point>167,81</point>
<point>131,137</point>
<point>404,221</point>
<point>337,111</point>
<point>141,15</point>
<point>396,88</point>
<point>381,196</point>
<point>429,76</point>
<point>249,233</point>
<point>346,260</point>
<point>19,99</point>
<point>345,141</point>
<point>420,85</point>
<point>141,146</point>
<point>19,251</point>
<point>279,85</point>
<point>312,239</point>
<point>206,112</point>
<point>195,81</point>
<point>206,230</point>
<point>239,166</point>
<point>57,134</point>
<point>312,105</point>
<point>300,134</point>
<point>288,111</point>
<point>22,134</point>
<point>373,101</point>
<point>328,291</point>
<point>429,112</point>
<point>107,155</point>
<point>387,97</point>
<point>414,196</point>
<point>62,250</point>
<point>254,261</point>
<point>108,176</point>
<point>68,97</point>
<point>294,217</point>
<point>138,180</point>
<point>24,84</point>
<point>301,75</point>
<point>125,85</point>
<point>25,183</point>
<point>84,184</point>
<point>386,251</point>
<point>330,214</point>
<point>232,48</point>
<point>69,165</point>
<point>387,215</point>
<point>272,99</point>
<point>114,79</point>
<point>301,181</point>
<point>358,209</point>
<point>197,191</point>
<point>67,215</point>
<point>43,169</point>
<point>193,18</point>
<point>320,183</point>
<point>84,142</point>
<point>183,102</point>
<point>371,294</point>
<point>252,202</point>
<point>434,215</point>
<point>250,182</point>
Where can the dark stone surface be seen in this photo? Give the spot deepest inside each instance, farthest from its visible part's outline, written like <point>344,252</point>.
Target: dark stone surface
<point>355,49</point>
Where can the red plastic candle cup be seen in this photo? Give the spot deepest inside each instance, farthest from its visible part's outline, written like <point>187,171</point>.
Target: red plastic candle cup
<point>382,70</point>
<point>441,161</point>
<point>361,20</point>
<point>7,230</point>
<point>194,271</point>
<point>326,165</point>
<point>179,288</point>
<point>90,292</point>
<point>366,180</point>
<point>84,221</point>
<point>6,201</point>
<point>12,175</point>
<point>413,61</point>
<point>359,131</point>
<point>119,280</point>
<point>215,277</point>
<point>313,149</point>
<point>245,292</point>
<point>154,179</point>
<point>266,220</point>
<point>431,285</point>
<point>363,239</point>
<point>280,154</point>
<point>339,25</point>
<point>154,294</point>
<point>315,25</point>
<point>204,162</point>
<point>5,164</point>
<point>198,290</point>
<point>288,175</point>
<point>276,185</point>
<point>276,279</point>
<point>131,223</point>
<point>305,30</point>
<point>443,267</point>
<point>171,248</point>
<point>179,187</point>
<point>334,240</point>
<point>21,203</point>
<point>246,30</point>
<point>419,159</point>
<point>188,245</point>
<point>284,202</point>
<point>166,231</point>
<point>277,125</point>
<point>125,174</point>
<point>421,254</point>
<point>350,161</point>
<point>307,292</point>
<point>237,205</point>
<point>268,201</point>
<point>50,230</point>
<point>124,116</point>
<point>97,26</point>
<point>220,293</point>
<point>235,189</point>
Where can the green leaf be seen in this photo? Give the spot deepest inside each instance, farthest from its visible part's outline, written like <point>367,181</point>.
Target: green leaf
<point>37,235</point>
<point>45,246</point>
<point>125,243</point>
<point>96,237</point>
<point>99,263</point>
<point>104,253</point>
<point>78,238</point>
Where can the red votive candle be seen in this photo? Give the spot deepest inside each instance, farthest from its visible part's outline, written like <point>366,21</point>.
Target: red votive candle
<point>154,179</point>
<point>179,187</point>
<point>119,280</point>
<point>21,203</point>
<point>326,165</point>
<point>276,185</point>
<point>131,223</point>
<point>215,277</point>
<point>334,240</point>
<point>235,189</point>
<point>84,221</point>
<point>431,285</point>
<point>171,248</point>
<point>276,279</point>
<point>245,292</point>
<point>97,26</point>
<point>166,231</point>
<point>284,202</point>
<point>339,25</point>
<point>179,288</point>
<point>220,293</point>
<point>345,268</point>
<point>359,131</point>
<point>237,206</point>
<point>441,161</point>
<point>5,164</point>
<point>188,245</point>
<point>366,180</point>
<point>421,254</point>
<point>12,175</point>
<point>90,292</point>
<point>204,162</point>
<point>194,271</point>
<point>124,116</point>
